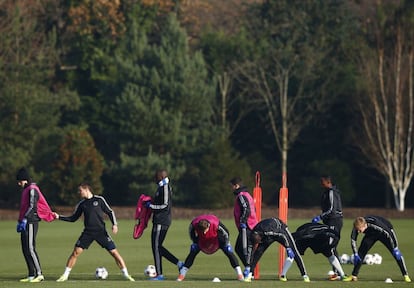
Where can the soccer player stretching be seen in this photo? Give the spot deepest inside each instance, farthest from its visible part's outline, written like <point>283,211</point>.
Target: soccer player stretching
<point>375,228</point>
<point>320,238</point>
<point>93,207</point>
<point>264,234</point>
<point>208,235</point>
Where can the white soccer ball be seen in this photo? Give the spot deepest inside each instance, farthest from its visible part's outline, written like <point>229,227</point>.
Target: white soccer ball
<point>150,271</point>
<point>369,259</point>
<point>101,273</point>
<point>377,259</point>
<point>345,259</point>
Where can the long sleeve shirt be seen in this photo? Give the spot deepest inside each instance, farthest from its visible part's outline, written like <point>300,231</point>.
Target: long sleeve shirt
<point>93,210</point>
<point>377,228</point>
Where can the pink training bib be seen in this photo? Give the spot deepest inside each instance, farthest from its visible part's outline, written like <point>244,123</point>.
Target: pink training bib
<point>142,215</point>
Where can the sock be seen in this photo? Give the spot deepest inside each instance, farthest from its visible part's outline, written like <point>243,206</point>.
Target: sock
<point>286,266</point>
<point>67,271</point>
<point>238,270</point>
<point>183,271</point>
<point>125,271</point>
<point>334,261</point>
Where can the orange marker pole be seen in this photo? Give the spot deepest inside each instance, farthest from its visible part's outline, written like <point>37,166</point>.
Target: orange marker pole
<point>257,198</point>
<point>283,211</point>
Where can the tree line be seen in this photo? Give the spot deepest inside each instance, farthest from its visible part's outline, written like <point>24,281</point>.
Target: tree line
<point>109,91</point>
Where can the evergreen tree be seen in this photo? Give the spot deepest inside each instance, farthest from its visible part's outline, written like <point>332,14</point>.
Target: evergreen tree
<point>30,106</point>
<point>163,105</point>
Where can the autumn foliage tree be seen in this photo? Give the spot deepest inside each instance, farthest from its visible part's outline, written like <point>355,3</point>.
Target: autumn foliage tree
<point>77,161</point>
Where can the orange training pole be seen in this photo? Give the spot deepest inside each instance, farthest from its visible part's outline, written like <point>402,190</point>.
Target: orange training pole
<point>283,211</point>
<point>257,198</point>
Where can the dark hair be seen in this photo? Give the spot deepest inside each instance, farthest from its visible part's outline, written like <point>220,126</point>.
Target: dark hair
<point>326,177</point>
<point>160,174</point>
<point>85,185</point>
<point>203,224</point>
<point>236,180</point>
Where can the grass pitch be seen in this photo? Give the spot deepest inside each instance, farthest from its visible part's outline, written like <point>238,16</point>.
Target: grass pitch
<point>55,242</point>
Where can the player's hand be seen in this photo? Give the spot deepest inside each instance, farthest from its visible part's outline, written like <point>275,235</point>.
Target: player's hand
<point>243,226</point>
<point>316,219</point>
<point>357,259</point>
<point>21,225</point>
<point>229,248</point>
<point>397,253</point>
<point>56,215</point>
<point>114,229</point>
<point>290,253</point>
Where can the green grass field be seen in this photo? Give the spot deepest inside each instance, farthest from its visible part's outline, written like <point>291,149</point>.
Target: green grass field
<point>55,242</point>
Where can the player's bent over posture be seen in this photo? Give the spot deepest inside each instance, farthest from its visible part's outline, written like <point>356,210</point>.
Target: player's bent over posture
<point>208,235</point>
<point>263,235</point>
<point>375,228</point>
<point>320,238</point>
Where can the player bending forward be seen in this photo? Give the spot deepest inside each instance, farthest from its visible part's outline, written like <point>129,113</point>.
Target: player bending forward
<point>208,235</point>
<point>263,235</point>
<point>375,228</point>
<point>321,239</point>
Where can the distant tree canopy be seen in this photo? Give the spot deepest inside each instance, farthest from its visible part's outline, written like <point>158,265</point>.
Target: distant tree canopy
<point>109,91</point>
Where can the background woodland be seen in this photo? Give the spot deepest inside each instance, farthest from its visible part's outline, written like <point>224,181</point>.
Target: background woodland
<point>109,91</point>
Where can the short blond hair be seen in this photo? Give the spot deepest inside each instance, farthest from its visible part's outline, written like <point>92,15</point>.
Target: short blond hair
<point>359,222</point>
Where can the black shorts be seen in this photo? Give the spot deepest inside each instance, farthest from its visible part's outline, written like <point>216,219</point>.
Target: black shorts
<point>324,247</point>
<point>102,237</point>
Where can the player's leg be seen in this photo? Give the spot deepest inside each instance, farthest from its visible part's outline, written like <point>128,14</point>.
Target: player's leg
<point>334,261</point>
<point>157,237</point>
<point>105,241</point>
<point>194,250</point>
<point>228,251</point>
<point>83,242</point>
<point>165,252</point>
<point>336,225</point>
<point>77,251</point>
<point>28,243</point>
<point>239,247</point>
<point>70,263</point>
<point>398,257</point>
<point>327,246</point>
<point>366,244</point>
<point>256,253</point>
<point>121,264</point>
<point>296,255</point>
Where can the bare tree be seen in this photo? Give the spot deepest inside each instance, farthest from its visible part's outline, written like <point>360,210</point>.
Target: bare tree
<point>287,110</point>
<point>233,105</point>
<point>285,77</point>
<point>385,106</point>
